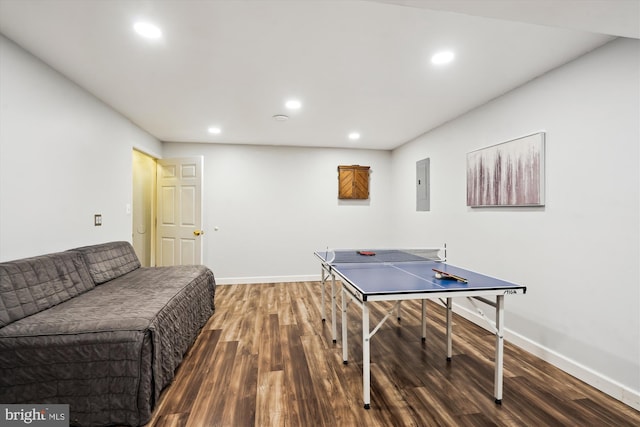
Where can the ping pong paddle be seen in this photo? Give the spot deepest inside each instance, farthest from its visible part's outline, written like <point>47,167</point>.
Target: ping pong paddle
<point>444,275</point>
<point>366,253</point>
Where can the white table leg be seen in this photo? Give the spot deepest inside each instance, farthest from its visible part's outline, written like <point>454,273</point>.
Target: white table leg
<point>449,329</point>
<point>334,331</point>
<point>366,357</point>
<point>497,381</point>
<point>323,282</point>
<point>424,320</point>
<point>345,349</point>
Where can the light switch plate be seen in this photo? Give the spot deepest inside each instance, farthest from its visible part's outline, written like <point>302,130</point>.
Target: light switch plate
<point>97,220</point>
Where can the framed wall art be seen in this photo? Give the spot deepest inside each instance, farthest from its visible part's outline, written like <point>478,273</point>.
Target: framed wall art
<point>507,174</point>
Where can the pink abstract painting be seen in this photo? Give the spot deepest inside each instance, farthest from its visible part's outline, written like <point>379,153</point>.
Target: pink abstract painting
<point>507,174</point>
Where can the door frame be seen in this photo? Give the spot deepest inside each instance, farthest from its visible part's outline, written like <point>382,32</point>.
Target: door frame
<point>140,196</point>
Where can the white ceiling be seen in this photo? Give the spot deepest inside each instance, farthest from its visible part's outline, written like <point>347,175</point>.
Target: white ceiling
<point>355,65</point>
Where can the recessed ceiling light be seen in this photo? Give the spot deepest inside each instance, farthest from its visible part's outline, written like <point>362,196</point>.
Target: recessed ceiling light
<point>443,57</point>
<point>293,104</point>
<point>214,130</point>
<point>354,136</point>
<point>147,30</point>
<point>281,117</point>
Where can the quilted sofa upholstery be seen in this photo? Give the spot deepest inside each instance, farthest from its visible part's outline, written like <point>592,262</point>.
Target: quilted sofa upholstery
<point>91,328</point>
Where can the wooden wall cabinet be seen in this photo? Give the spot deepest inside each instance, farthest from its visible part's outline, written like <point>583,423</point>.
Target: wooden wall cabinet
<point>353,182</point>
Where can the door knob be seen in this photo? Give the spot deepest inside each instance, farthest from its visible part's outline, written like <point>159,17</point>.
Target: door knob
<point>198,232</point>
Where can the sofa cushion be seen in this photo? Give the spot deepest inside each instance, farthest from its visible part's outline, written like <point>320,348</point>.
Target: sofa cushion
<point>108,261</point>
<point>30,285</point>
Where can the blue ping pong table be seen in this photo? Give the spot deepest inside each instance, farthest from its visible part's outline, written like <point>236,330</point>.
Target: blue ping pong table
<point>398,275</point>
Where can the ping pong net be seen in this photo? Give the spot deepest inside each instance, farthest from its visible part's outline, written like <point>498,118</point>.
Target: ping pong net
<point>349,256</point>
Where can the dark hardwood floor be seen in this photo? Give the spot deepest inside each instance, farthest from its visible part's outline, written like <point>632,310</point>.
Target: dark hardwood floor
<point>265,358</point>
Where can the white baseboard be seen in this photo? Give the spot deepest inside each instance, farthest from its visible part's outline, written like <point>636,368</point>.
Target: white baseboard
<point>265,279</point>
<point>604,384</point>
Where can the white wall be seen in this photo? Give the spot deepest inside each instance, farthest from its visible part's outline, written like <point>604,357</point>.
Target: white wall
<point>579,256</point>
<point>64,156</point>
<point>275,205</point>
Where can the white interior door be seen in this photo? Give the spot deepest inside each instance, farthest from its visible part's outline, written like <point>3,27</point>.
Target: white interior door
<point>179,225</point>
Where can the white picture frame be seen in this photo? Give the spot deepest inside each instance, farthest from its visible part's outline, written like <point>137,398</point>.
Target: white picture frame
<point>507,174</point>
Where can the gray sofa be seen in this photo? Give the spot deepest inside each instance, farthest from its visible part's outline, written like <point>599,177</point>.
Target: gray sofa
<point>91,328</point>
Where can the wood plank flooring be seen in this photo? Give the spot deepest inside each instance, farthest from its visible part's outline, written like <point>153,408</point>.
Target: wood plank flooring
<point>265,358</point>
